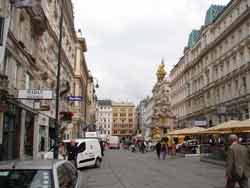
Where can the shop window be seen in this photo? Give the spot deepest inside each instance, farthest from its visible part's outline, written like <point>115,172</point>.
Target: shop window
<point>42,137</point>
<point>28,81</point>
<point>29,131</point>
<point>247,113</point>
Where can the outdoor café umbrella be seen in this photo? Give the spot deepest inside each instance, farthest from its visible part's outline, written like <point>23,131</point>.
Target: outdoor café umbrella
<point>187,131</point>
<point>226,127</point>
<point>236,127</point>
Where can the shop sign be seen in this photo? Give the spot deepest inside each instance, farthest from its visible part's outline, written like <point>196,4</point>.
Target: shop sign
<point>23,3</point>
<point>33,94</point>
<point>200,123</point>
<point>75,98</point>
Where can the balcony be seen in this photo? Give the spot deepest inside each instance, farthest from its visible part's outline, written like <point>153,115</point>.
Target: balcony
<point>38,18</point>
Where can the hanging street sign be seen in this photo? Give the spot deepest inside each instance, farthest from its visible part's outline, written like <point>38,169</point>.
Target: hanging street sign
<point>32,94</point>
<point>75,98</point>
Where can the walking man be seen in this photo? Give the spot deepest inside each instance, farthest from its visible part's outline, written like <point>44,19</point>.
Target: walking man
<point>72,152</point>
<point>158,150</point>
<point>238,164</point>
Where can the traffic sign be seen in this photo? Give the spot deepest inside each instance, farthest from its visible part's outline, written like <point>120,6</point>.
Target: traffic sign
<point>75,98</point>
<point>32,94</point>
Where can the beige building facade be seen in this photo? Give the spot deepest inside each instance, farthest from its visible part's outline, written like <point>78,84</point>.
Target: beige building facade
<point>124,121</point>
<point>211,82</point>
<point>30,62</point>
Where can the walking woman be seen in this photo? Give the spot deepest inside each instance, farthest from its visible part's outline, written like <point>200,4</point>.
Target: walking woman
<point>163,150</point>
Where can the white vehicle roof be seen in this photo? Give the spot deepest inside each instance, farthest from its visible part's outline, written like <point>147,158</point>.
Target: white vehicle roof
<point>80,140</point>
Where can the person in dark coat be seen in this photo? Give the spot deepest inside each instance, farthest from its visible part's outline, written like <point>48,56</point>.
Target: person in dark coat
<point>72,152</point>
<point>102,147</point>
<point>158,150</point>
<point>238,164</point>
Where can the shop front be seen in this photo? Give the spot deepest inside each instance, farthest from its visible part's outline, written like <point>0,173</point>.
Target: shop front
<point>43,134</point>
<point>10,133</point>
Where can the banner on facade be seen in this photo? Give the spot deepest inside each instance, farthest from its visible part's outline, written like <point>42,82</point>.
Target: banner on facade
<point>23,3</point>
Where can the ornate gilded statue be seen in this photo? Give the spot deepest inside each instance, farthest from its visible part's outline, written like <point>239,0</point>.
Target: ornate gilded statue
<point>161,73</point>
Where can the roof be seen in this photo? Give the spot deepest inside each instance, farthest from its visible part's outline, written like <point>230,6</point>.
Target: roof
<point>212,13</point>
<point>193,38</point>
<point>123,104</point>
<point>104,102</point>
<point>29,164</point>
<point>82,139</point>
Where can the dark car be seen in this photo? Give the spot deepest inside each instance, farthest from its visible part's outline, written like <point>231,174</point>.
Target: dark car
<point>39,174</point>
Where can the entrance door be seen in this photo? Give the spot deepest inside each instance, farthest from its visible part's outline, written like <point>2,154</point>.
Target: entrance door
<point>9,138</point>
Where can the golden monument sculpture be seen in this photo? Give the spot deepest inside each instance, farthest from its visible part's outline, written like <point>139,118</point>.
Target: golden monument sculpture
<point>161,73</point>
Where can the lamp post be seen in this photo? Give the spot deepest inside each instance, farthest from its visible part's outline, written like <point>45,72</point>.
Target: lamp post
<point>57,127</point>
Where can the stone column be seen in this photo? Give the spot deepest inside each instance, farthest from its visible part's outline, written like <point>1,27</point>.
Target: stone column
<point>249,109</point>
<point>22,135</point>
<point>36,137</point>
<point>1,127</point>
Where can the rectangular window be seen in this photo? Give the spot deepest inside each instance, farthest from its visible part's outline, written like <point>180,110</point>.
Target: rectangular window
<point>28,81</point>
<point>1,30</point>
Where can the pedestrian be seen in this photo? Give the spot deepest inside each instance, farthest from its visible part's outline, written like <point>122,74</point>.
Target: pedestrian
<point>238,164</point>
<point>102,147</point>
<point>142,146</point>
<point>72,152</point>
<point>163,150</point>
<point>62,154</point>
<point>158,150</point>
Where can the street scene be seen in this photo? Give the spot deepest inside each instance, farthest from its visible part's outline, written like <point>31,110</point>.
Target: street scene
<point>123,169</point>
<point>124,94</point>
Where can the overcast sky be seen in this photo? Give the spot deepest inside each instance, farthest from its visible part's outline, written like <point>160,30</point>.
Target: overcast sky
<point>126,40</point>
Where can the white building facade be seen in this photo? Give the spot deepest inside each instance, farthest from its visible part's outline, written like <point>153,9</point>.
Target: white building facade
<point>148,116</point>
<point>104,117</point>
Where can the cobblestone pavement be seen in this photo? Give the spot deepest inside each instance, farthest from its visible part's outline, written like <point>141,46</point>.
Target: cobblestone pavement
<point>123,169</point>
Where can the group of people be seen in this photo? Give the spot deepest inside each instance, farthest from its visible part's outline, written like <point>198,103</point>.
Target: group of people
<point>163,149</point>
<point>141,146</point>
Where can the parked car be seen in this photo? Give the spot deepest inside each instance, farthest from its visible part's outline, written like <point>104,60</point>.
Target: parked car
<point>42,173</point>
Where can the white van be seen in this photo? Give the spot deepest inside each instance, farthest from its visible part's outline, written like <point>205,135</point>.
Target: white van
<point>89,152</point>
<point>114,142</point>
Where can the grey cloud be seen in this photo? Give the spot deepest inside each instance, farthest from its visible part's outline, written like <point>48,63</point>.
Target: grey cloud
<point>125,57</point>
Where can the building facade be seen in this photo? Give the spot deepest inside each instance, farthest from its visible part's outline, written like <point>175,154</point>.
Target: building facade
<point>91,103</point>
<point>148,117</point>
<point>30,62</point>
<point>211,82</point>
<point>123,119</point>
<point>104,116</point>
<point>141,115</point>
<point>81,77</point>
